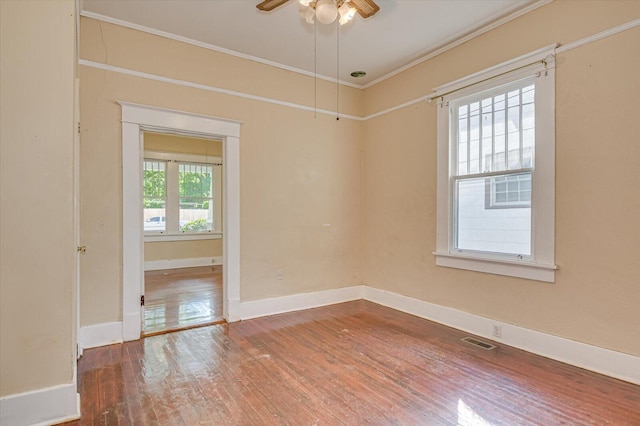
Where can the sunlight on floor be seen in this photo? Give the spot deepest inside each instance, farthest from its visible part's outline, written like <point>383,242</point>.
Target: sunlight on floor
<point>468,417</point>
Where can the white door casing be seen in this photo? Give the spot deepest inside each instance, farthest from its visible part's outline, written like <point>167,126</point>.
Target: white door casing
<point>136,119</point>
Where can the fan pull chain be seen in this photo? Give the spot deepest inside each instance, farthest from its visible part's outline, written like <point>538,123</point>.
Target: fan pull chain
<point>337,69</point>
<point>315,68</point>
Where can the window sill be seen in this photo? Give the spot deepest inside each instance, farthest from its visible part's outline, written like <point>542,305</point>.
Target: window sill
<point>151,238</point>
<point>533,271</point>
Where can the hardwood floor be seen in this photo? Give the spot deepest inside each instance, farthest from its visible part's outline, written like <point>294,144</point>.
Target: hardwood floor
<point>182,298</point>
<point>348,364</point>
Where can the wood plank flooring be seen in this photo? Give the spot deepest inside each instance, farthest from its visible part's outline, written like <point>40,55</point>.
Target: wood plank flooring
<point>182,298</point>
<point>348,364</point>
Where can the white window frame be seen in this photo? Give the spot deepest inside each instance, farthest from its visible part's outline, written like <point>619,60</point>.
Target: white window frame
<point>541,264</point>
<point>172,208</point>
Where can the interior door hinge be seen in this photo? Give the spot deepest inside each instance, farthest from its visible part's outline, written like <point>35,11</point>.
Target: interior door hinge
<point>78,127</point>
<point>142,300</point>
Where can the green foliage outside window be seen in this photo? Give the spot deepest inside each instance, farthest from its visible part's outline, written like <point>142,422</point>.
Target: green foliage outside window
<point>195,225</point>
<point>154,189</point>
<point>195,187</point>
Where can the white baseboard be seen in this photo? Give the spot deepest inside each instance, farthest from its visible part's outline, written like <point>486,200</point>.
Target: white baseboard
<point>156,265</point>
<point>103,334</point>
<point>41,407</point>
<point>297,302</point>
<point>604,361</point>
<point>232,310</point>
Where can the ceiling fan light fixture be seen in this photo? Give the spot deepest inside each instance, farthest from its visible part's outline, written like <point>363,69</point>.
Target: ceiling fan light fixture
<point>346,13</point>
<point>326,11</point>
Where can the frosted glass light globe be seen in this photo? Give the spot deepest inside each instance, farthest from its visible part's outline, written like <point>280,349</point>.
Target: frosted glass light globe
<point>326,11</point>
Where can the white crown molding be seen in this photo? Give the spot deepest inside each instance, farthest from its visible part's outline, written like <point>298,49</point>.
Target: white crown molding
<point>459,39</point>
<point>454,41</point>
<point>57,404</point>
<point>213,47</point>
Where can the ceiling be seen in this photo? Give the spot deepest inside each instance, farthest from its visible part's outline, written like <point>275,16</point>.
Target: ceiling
<point>403,31</point>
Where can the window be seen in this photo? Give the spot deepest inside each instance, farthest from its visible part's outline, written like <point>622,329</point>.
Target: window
<point>182,195</point>
<point>496,164</point>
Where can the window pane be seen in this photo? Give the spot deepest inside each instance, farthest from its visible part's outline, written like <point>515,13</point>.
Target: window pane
<point>196,197</point>
<point>474,138</point>
<point>154,195</point>
<point>511,191</point>
<point>196,214</point>
<point>496,132</point>
<point>481,227</point>
<point>463,138</point>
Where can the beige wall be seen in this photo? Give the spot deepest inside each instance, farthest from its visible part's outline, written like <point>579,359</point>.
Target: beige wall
<point>37,279</point>
<point>596,293</point>
<point>297,172</point>
<point>167,250</point>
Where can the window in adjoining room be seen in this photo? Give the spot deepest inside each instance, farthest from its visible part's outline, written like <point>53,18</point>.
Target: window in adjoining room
<point>182,195</point>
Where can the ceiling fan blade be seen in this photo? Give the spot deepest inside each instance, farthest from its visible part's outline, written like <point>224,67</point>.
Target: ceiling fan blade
<point>269,5</point>
<point>365,8</point>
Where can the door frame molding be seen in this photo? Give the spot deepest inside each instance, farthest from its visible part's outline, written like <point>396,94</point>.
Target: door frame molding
<point>137,118</point>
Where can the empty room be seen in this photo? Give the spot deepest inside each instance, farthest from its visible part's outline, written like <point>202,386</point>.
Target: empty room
<point>323,212</point>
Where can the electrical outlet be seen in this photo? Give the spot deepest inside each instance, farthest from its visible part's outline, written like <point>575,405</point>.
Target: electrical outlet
<point>497,330</point>
<point>279,274</point>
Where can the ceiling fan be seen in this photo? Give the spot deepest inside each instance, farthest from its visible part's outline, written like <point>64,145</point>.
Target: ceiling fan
<point>347,8</point>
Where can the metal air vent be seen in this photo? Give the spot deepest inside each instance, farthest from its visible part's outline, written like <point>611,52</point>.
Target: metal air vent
<point>476,342</point>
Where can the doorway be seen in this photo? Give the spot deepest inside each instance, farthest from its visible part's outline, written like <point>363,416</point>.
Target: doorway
<point>141,118</point>
<point>182,201</point>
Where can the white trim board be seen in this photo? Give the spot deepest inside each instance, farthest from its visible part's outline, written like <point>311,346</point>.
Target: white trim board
<point>107,333</point>
<point>157,265</point>
<point>47,406</point>
<point>135,119</point>
<point>298,302</point>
